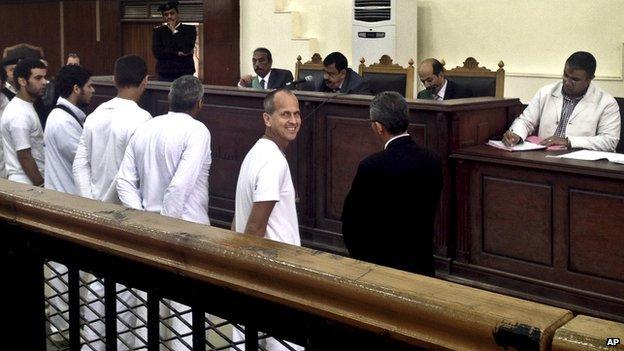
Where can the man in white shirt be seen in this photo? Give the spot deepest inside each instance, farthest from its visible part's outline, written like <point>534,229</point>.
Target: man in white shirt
<point>64,127</point>
<point>4,101</point>
<point>167,162</point>
<point>107,132</point>
<point>101,148</point>
<point>265,195</point>
<point>22,135</point>
<point>166,166</point>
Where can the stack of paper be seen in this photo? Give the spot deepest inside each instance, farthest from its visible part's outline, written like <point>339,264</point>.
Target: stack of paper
<point>525,146</point>
<point>591,155</point>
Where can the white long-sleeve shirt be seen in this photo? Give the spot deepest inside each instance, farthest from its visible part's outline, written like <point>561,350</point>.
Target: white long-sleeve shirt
<point>166,167</point>
<point>102,145</point>
<point>4,101</point>
<point>61,137</point>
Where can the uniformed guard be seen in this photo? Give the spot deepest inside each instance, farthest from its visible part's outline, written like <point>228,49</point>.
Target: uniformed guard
<point>173,44</point>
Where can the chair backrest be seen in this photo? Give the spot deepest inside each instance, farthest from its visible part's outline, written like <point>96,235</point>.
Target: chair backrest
<point>388,76</point>
<point>313,68</point>
<point>480,80</point>
<point>620,145</point>
<point>23,50</point>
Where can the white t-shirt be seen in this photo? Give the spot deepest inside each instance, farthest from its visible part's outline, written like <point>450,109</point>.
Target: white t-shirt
<point>166,168</point>
<point>265,176</point>
<point>21,129</point>
<point>102,146</point>
<point>4,101</point>
<point>61,137</point>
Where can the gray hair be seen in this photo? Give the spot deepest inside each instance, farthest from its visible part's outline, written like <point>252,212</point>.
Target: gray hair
<point>269,100</point>
<point>185,92</point>
<point>390,109</point>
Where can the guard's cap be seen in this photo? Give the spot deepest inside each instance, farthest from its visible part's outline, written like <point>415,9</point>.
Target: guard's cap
<point>168,6</point>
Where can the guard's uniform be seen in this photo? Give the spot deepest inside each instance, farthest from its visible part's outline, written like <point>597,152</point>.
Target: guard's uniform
<point>166,45</point>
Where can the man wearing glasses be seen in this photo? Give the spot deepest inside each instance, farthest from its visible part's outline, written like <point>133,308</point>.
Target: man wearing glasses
<point>338,78</point>
<point>573,113</point>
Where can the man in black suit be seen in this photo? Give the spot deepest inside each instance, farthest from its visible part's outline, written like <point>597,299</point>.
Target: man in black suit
<point>8,65</point>
<point>389,212</point>
<point>173,44</point>
<point>338,78</point>
<point>437,87</point>
<point>267,76</point>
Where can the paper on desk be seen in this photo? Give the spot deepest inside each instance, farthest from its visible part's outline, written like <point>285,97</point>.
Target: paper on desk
<point>591,155</point>
<point>525,146</point>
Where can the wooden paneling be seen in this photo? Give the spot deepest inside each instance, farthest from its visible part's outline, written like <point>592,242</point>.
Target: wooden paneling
<point>137,40</point>
<point>82,29</point>
<point>221,42</point>
<point>543,228</point>
<point>34,23</point>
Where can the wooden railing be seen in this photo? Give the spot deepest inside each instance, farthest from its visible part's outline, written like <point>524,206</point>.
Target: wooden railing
<point>315,299</point>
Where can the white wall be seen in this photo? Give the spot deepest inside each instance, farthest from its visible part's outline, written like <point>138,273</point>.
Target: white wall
<point>532,37</point>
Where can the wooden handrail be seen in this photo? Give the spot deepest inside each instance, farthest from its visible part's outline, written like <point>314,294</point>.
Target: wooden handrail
<point>409,308</point>
<point>589,333</point>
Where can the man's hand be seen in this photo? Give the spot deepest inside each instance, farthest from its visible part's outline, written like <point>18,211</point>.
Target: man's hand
<point>245,80</point>
<point>555,140</point>
<point>510,138</point>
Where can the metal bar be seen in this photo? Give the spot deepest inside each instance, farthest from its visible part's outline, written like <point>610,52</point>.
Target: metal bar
<point>73,287</point>
<point>199,329</point>
<point>251,337</point>
<point>153,324</point>
<point>110,314</point>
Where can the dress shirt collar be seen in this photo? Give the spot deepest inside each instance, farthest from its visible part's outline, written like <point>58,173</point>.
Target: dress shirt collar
<point>442,92</point>
<point>78,112</point>
<point>10,87</point>
<point>266,80</point>
<point>393,138</point>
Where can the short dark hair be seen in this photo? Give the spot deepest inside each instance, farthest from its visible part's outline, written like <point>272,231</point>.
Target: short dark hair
<point>24,68</point>
<point>69,76</point>
<point>73,55</point>
<point>185,92</point>
<point>582,60</point>
<point>265,51</point>
<point>390,109</point>
<point>130,70</point>
<point>269,100</point>
<point>338,59</point>
<point>437,66</point>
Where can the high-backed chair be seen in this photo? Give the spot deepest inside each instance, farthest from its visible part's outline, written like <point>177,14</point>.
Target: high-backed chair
<point>23,50</point>
<point>480,80</point>
<point>313,68</point>
<point>385,75</point>
<point>620,145</point>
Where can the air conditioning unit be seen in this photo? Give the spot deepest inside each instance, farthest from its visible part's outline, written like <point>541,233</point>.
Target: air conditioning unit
<point>384,27</point>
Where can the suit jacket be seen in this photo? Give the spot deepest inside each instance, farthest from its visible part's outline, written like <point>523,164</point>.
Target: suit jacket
<point>388,214</point>
<point>594,123</point>
<point>353,84</point>
<point>453,91</point>
<point>9,94</point>
<point>277,79</point>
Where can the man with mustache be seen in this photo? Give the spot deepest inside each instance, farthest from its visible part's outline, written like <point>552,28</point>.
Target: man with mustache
<point>339,78</point>
<point>267,76</point>
<point>22,134</point>
<point>437,87</point>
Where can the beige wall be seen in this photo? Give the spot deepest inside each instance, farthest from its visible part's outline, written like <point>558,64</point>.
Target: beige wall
<point>532,37</point>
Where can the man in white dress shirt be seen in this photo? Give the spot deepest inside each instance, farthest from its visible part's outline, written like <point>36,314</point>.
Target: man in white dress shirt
<point>22,134</point>
<point>107,132</point>
<point>265,195</point>
<point>101,148</point>
<point>64,127</point>
<point>166,166</point>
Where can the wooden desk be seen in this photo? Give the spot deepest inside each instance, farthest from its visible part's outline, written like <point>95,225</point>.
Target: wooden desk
<point>335,136</point>
<point>542,228</point>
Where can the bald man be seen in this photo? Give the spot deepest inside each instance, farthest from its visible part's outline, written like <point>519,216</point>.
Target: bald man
<point>437,87</point>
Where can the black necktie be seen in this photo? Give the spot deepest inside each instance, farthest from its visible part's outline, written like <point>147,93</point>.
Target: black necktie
<point>262,83</point>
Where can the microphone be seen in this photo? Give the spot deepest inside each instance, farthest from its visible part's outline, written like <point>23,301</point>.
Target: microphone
<point>304,79</point>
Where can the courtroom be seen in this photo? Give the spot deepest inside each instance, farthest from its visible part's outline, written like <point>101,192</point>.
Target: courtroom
<point>312,175</point>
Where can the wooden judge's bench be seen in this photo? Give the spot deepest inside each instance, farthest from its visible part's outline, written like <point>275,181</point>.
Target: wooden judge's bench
<point>336,135</point>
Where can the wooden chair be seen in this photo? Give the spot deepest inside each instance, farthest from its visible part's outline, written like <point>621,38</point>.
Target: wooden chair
<point>23,50</point>
<point>313,68</point>
<point>480,80</point>
<point>388,76</point>
<point>620,146</point>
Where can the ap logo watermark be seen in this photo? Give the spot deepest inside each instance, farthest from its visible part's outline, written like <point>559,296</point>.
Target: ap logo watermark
<point>613,341</point>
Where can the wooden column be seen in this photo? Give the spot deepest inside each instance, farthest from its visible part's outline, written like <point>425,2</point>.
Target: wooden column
<point>221,42</point>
